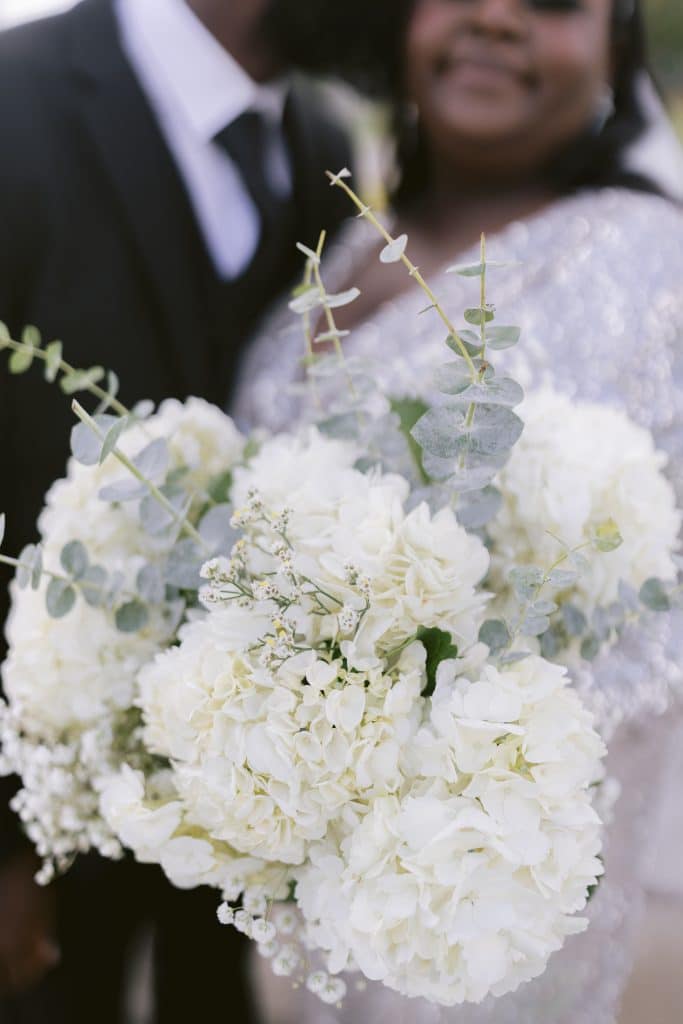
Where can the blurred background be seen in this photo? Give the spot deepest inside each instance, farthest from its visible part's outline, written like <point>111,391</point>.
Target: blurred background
<point>661,946</point>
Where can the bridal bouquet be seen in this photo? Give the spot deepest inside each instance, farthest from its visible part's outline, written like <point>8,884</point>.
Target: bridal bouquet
<point>328,672</point>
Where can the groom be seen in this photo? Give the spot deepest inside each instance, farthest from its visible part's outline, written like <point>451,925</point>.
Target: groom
<point>157,170</point>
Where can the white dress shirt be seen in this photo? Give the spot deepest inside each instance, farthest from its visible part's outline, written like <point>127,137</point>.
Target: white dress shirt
<point>196,88</point>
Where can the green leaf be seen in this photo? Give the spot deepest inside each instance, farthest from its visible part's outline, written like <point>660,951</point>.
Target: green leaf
<point>53,360</point>
<point>74,559</point>
<point>150,584</point>
<point>60,598</point>
<point>502,337</point>
<point>476,508</point>
<point>409,411</point>
<point>439,647</point>
<point>479,315</point>
<point>92,585</point>
<point>5,336</point>
<point>342,298</point>
<point>494,391</point>
<point>607,537</point>
<point>393,252</point>
<point>444,431</point>
<point>215,529</point>
<point>86,445</point>
<point>3,526</point>
<point>81,380</point>
<point>452,378</point>
<point>561,579</point>
<point>574,620</point>
<point>112,438</point>
<point>654,596</point>
<point>21,360</point>
<point>219,488</point>
<point>131,617</point>
<point>31,336</point>
<point>474,270</point>
<point>526,581</point>
<point>590,648</point>
<point>495,634</point>
<point>153,461</point>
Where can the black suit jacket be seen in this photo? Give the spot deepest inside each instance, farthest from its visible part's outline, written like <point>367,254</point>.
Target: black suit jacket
<point>99,246</point>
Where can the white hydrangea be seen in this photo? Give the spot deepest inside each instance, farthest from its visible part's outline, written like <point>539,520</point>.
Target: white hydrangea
<point>266,760</point>
<point>464,883</point>
<point>71,678</point>
<point>151,821</point>
<point>577,465</point>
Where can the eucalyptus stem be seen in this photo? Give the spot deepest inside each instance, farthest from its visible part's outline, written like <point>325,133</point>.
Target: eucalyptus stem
<point>180,520</point>
<point>66,370</point>
<point>414,271</point>
<point>16,563</point>
<point>308,334</point>
<point>332,328</point>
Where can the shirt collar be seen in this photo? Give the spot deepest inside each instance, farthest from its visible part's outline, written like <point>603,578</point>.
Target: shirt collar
<point>204,82</point>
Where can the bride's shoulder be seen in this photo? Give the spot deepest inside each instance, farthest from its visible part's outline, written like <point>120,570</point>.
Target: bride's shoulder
<point>613,217</point>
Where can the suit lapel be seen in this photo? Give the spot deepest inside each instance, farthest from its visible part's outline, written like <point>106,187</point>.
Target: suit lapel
<point>141,171</point>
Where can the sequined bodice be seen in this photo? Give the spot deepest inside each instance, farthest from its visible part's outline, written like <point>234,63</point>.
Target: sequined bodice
<point>597,287</point>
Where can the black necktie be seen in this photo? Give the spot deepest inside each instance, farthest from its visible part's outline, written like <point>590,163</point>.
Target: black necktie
<point>247,141</point>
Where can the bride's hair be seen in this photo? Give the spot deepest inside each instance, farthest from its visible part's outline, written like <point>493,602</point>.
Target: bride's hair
<point>595,159</point>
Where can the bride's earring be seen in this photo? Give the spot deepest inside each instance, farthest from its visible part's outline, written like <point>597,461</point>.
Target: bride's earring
<point>604,108</point>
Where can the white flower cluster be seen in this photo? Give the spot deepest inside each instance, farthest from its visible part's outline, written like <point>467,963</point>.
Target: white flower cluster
<point>439,844</point>
<point>71,679</point>
<point>577,464</point>
<point>464,882</point>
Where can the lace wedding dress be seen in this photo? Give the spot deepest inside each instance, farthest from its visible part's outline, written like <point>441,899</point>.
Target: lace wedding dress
<point>598,292</point>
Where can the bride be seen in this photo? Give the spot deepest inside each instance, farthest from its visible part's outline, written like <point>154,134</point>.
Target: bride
<point>524,119</point>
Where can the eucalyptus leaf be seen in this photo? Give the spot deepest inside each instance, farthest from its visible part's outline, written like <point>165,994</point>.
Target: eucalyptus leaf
<point>551,643</point>
<point>53,361</point>
<point>444,431</point>
<point>342,298</point>
<point>154,517</point>
<point>452,378</point>
<point>393,252</point>
<point>313,256</point>
<point>526,581</point>
<point>495,391</point>
<point>21,360</point>
<point>654,596</point>
<point>499,338</point>
<point>514,657</point>
<point>590,648</point>
<point>495,634</point>
<point>112,438</point>
<point>473,270</point>
<point>93,586</point>
<point>183,566</point>
<point>150,585</point>
<point>74,559</point>
<point>126,489</point>
<point>131,617</point>
<point>60,598</point>
<point>534,624</point>
<point>478,507</point>
<point>479,315</point>
<point>5,336</point>
<point>215,529</point>
<point>306,301</point>
<point>81,380</point>
<point>3,526</point>
<point>86,445</point>
<point>561,579</point>
<point>607,537</point>
<point>544,607</point>
<point>574,620</point>
<point>28,559</point>
<point>153,461</point>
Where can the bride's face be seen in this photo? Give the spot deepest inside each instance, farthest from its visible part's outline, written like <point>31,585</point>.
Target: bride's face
<point>507,80</point>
